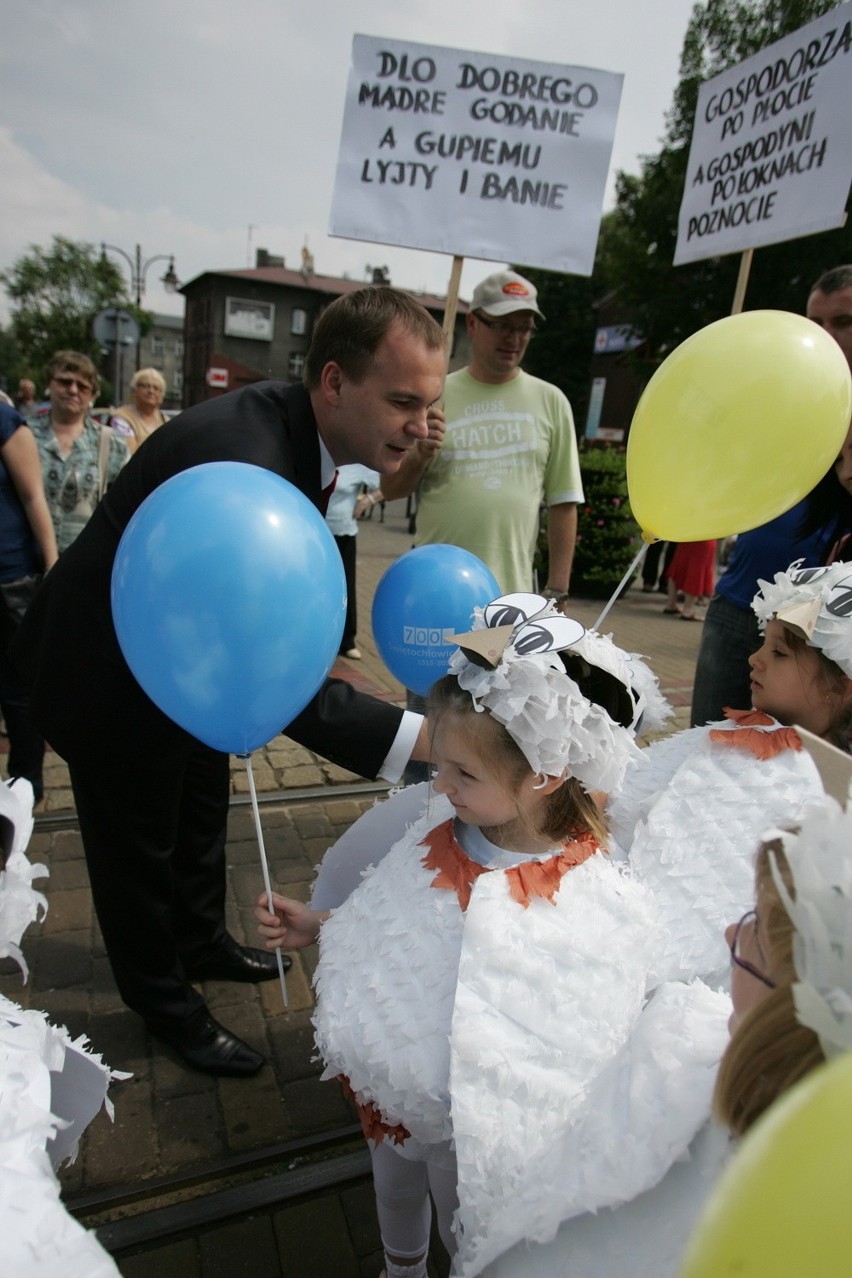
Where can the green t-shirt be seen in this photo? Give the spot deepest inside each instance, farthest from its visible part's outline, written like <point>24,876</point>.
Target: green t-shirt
<point>507,449</point>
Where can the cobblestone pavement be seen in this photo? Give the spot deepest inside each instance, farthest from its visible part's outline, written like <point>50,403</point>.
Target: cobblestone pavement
<point>170,1120</point>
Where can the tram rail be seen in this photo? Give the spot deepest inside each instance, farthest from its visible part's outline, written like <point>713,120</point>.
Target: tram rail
<point>146,1212</point>
<point>66,819</point>
<point>132,1216</point>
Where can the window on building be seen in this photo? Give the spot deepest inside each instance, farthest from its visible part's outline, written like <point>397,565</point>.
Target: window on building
<point>158,346</point>
<point>178,347</point>
<point>299,322</point>
<point>177,381</point>
<point>296,366</point>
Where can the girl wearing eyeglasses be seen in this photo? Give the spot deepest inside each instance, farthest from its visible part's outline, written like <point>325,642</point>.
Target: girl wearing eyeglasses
<point>791,972</point>
<point>791,988</point>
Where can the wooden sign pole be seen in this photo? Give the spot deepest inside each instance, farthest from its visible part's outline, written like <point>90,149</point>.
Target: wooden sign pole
<point>742,281</point>
<point>452,304</point>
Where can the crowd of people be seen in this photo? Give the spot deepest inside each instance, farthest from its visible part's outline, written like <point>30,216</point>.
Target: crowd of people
<point>529,963</point>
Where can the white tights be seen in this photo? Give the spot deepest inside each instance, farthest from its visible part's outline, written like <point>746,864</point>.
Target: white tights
<point>402,1187</point>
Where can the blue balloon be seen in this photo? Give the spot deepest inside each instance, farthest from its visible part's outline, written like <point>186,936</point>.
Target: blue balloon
<point>426,596</point>
<point>228,599</point>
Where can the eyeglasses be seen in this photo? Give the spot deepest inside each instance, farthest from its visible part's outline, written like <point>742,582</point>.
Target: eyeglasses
<point>71,382</point>
<point>749,917</point>
<point>507,330</point>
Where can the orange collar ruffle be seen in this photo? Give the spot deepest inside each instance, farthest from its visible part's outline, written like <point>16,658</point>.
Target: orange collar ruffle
<point>456,872</point>
<point>747,735</point>
<point>373,1126</point>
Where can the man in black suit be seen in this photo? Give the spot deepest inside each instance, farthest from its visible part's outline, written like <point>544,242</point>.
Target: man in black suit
<point>152,801</point>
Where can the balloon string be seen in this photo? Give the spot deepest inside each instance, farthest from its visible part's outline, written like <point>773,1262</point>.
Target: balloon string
<point>264,867</point>
<point>640,555</point>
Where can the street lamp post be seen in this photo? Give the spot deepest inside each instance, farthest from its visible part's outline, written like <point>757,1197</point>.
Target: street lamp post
<point>138,271</point>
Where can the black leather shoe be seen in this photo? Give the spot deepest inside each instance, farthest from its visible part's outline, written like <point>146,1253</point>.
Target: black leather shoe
<point>233,962</point>
<point>206,1045</point>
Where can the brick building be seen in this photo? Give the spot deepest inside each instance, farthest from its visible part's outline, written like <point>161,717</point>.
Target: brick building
<point>162,348</point>
<point>247,325</point>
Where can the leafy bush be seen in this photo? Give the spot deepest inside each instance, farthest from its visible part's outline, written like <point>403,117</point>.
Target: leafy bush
<point>607,535</point>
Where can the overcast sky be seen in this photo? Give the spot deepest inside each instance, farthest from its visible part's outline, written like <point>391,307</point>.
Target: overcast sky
<point>209,128</point>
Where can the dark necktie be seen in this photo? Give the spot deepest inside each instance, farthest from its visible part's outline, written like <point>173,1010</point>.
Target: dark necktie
<point>326,494</point>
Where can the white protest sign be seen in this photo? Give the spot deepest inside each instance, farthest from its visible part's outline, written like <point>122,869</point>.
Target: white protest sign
<point>771,154</point>
<point>474,155</point>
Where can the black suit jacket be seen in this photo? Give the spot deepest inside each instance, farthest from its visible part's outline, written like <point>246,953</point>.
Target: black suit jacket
<point>83,696</point>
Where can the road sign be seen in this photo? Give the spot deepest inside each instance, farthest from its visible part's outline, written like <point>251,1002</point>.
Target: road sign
<point>115,326</point>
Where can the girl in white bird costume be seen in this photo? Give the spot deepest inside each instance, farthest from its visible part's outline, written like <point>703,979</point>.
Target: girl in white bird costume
<point>690,817</point>
<point>479,989</point>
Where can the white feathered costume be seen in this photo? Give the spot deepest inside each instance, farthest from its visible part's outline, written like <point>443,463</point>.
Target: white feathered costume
<point>508,1008</point>
<point>522,1032</point>
<point>50,1089</point>
<point>690,816</point>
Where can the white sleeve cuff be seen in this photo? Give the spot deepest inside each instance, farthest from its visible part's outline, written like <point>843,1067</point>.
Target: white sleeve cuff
<point>403,743</point>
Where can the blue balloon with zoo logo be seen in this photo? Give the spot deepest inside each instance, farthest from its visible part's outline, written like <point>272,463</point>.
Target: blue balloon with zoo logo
<point>228,599</point>
<point>425,597</point>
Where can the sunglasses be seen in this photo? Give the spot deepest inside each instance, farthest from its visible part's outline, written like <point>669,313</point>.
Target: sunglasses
<point>71,382</point>
<point>507,330</point>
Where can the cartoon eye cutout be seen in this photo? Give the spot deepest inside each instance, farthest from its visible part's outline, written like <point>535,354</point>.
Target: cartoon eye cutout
<point>547,634</point>
<point>804,575</point>
<point>604,689</point>
<point>839,601</point>
<point>516,620</point>
<point>508,610</point>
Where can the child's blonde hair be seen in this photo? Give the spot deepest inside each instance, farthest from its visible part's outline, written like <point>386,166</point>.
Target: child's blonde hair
<point>565,813</point>
<point>769,1050</point>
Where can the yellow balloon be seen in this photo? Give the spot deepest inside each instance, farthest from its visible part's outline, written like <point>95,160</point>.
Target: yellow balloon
<point>736,426</point>
<point>781,1210</point>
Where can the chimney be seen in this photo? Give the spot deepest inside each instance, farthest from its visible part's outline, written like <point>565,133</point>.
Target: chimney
<point>264,258</point>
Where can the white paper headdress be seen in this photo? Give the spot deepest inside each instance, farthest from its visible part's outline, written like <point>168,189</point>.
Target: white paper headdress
<point>820,860</point>
<point>815,603</point>
<point>655,709</point>
<point>547,680</point>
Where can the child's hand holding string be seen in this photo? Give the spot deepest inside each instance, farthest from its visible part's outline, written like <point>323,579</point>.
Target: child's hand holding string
<point>290,925</point>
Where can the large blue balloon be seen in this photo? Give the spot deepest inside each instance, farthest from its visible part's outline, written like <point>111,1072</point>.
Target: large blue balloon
<point>426,596</point>
<point>228,599</point>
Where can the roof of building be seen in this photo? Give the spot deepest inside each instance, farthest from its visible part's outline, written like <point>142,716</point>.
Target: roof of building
<point>167,321</point>
<point>333,285</point>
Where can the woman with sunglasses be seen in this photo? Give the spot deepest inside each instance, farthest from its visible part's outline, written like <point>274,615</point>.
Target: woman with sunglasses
<point>79,458</point>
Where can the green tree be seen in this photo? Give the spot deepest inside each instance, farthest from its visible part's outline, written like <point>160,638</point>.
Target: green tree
<point>638,238</point>
<point>55,295</point>
<point>10,361</point>
<point>561,350</point>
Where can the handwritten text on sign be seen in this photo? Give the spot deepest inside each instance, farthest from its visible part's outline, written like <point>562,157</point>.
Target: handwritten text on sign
<point>771,155</point>
<point>474,154</point>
